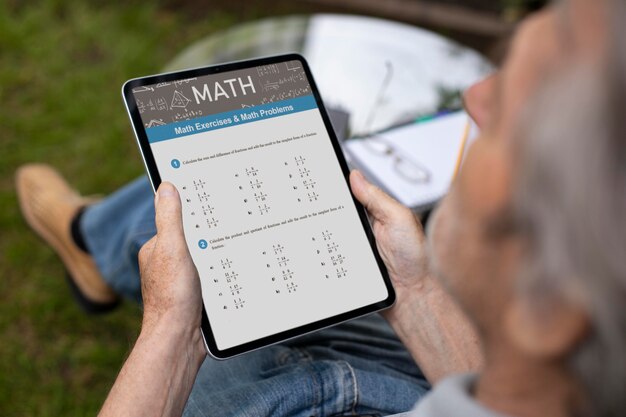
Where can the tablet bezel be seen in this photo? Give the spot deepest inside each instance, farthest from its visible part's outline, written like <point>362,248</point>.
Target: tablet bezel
<point>155,179</point>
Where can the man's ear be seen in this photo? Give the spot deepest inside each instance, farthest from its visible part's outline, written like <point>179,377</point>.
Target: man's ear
<point>545,331</point>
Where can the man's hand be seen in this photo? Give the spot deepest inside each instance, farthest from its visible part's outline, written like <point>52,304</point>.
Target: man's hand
<point>160,371</point>
<point>425,318</point>
<point>399,235</point>
<point>169,280</point>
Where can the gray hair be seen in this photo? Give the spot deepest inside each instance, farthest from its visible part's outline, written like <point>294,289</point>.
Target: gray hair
<point>570,202</point>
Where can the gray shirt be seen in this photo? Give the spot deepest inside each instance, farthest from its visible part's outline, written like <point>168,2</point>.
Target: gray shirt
<point>452,397</point>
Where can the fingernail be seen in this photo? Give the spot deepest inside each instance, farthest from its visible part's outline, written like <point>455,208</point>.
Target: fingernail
<point>165,190</point>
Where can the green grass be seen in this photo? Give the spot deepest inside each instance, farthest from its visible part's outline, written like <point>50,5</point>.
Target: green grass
<point>62,65</point>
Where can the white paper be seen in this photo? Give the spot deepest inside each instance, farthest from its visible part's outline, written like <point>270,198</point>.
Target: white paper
<point>434,144</point>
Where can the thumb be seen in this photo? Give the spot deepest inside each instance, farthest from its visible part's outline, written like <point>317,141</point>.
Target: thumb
<point>378,203</point>
<point>169,221</point>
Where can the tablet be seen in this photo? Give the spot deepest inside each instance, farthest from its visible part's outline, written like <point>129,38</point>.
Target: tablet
<point>281,245</point>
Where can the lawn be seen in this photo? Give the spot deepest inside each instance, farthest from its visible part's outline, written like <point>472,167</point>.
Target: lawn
<point>61,68</point>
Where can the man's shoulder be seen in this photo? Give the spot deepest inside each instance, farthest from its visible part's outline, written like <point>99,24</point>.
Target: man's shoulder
<point>450,398</point>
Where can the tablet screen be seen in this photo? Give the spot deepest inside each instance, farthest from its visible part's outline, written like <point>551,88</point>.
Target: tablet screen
<point>267,211</point>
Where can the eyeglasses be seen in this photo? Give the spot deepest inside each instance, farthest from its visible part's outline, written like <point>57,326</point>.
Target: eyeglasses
<point>407,168</point>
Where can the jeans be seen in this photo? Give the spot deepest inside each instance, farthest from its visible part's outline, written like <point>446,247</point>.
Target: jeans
<point>355,368</point>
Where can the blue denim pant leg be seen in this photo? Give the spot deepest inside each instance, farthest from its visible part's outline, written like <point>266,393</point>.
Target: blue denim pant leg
<point>115,229</point>
<point>356,368</point>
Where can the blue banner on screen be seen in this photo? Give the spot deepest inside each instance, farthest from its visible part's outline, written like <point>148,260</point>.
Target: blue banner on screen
<point>230,118</point>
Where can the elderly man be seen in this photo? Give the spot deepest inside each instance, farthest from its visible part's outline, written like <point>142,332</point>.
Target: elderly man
<point>522,281</point>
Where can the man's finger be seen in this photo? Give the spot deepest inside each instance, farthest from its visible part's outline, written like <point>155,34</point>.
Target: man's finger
<point>169,220</point>
<point>145,252</point>
<point>378,203</point>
